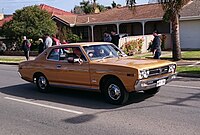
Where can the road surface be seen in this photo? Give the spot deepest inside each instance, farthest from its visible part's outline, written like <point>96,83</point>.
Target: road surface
<point>175,110</point>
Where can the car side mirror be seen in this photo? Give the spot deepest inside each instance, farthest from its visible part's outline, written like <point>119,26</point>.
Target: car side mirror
<point>70,59</point>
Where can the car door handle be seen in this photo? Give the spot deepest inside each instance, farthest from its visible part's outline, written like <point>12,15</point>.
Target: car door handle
<point>58,66</point>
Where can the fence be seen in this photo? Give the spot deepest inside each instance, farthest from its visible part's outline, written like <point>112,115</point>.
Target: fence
<point>146,40</point>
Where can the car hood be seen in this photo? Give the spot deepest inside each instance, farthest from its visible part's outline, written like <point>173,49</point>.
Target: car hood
<point>135,63</point>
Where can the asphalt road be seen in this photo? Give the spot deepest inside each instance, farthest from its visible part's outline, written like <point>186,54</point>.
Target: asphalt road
<point>175,110</point>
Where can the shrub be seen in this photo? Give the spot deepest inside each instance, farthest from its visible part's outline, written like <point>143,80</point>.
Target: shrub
<point>133,47</point>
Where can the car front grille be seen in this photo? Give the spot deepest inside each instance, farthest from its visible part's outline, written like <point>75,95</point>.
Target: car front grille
<point>158,71</point>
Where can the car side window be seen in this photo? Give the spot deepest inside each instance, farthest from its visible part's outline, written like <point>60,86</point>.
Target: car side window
<point>54,55</point>
<point>68,52</point>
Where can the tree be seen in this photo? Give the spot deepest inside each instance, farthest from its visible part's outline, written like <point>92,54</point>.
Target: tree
<point>172,9</point>
<point>114,4</point>
<point>30,21</point>
<point>130,3</point>
<point>88,7</point>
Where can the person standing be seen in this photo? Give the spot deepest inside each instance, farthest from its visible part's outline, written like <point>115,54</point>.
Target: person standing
<point>107,37</point>
<point>156,45</point>
<point>41,46</point>
<point>56,41</point>
<point>48,41</point>
<point>115,38</point>
<point>26,47</point>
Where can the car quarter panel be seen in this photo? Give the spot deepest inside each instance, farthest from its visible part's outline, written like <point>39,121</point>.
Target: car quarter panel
<point>126,75</point>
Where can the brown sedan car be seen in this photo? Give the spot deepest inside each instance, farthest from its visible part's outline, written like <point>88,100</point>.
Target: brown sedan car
<point>97,66</point>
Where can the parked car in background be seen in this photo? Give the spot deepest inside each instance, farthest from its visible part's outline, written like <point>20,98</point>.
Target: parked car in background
<point>97,66</point>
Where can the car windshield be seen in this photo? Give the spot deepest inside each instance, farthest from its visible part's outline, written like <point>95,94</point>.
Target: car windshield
<point>103,51</point>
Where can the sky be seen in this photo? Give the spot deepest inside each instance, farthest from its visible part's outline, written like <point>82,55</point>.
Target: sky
<point>9,6</point>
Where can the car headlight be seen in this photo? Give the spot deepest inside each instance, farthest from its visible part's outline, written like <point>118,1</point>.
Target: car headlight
<point>143,74</point>
<point>172,68</point>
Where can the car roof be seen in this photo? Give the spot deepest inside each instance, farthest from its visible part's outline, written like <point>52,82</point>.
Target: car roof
<point>82,44</point>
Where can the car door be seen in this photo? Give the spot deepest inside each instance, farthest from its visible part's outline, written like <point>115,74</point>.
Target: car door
<point>51,66</point>
<point>76,73</point>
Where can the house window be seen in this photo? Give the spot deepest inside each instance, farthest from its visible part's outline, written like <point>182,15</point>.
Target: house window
<point>83,32</point>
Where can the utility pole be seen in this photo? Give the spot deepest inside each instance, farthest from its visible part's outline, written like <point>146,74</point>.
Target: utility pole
<point>2,10</point>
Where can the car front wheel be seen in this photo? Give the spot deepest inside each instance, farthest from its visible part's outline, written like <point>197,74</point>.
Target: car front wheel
<point>42,83</point>
<point>115,92</point>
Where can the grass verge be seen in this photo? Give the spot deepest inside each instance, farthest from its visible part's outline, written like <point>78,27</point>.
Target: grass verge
<point>191,54</point>
<point>11,59</point>
<point>191,70</point>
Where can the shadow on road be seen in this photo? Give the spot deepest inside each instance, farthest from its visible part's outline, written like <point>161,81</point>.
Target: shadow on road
<point>79,98</point>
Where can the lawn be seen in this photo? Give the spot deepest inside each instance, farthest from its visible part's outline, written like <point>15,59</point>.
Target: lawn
<point>185,55</point>
<point>140,56</point>
<point>186,69</point>
<point>191,54</point>
<point>168,55</point>
<point>11,59</point>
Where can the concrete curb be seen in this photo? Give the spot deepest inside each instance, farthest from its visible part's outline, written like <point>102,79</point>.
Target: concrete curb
<point>9,63</point>
<point>188,75</point>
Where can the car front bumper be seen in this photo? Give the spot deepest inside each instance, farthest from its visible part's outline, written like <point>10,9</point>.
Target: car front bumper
<point>147,84</point>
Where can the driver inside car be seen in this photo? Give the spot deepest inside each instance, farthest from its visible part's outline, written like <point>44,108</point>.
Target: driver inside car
<point>77,55</point>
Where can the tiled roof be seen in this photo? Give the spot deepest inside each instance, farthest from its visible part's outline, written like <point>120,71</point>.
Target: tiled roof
<point>191,9</point>
<point>70,19</point>
<point>141,12</point>
<point>7,19</point>
<point>53,10</point>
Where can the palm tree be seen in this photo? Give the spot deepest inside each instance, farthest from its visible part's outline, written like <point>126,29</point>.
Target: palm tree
<point>86,7</point>
<point>114,4</point>
<point>172,9</point>
<point>130,3</point>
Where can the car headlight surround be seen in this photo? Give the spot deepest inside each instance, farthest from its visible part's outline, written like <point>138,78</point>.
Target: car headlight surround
<point>172,68</point>
<point>143,73</point>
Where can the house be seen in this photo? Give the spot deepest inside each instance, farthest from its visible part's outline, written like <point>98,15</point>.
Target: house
<point>190,26</point>
<point>4,19</point>
<point>140,21</point>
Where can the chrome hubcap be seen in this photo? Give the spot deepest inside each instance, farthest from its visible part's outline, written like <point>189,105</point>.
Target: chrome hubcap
<point>42,82</point>
<point>114,92</point>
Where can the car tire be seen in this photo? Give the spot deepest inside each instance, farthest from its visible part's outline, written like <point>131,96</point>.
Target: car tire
<point>42,83</point>
<point>115,92</point>
<point>152,91</point>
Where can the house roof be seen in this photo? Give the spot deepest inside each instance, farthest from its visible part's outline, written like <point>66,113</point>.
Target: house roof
<point>53,10</point>
<point>191,9</point>
<point>6,19</point>
<point>68,19</point>
<point>140,12</point>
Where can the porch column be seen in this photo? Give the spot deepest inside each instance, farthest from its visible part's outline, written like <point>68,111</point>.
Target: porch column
<point>170,27</point>
<point>92,28</point>
<point>143,28</point>
<point>118,27</point>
